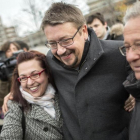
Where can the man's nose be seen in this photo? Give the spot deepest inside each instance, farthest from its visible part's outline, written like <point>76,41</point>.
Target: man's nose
<point>60,50</point>
<point>132,55</point>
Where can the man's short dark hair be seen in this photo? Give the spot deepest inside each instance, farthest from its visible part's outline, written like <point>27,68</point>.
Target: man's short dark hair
<point>22,44</point>
<point>60,13</point>
<point>96,16</point>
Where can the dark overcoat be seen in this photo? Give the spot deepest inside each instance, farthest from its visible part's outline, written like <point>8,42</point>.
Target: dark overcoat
<point>92,98</point>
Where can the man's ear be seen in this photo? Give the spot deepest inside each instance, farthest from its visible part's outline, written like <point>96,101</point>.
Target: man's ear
<point>85,31</point>
<point>105,24</point>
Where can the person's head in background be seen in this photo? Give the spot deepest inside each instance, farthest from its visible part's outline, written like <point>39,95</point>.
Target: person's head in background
<point>131,46</point>
<point>33,74</point>
<point>98,24</point>
<point>116,31</point>
<point>65,28</point>
<point>22,45</point>
<point>9,48</point>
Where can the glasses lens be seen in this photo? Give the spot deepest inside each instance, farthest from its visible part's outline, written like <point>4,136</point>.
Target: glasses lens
<point>23,79</point>
<point>34,76</point>
<point>66,42</point>
<point>52,45</point>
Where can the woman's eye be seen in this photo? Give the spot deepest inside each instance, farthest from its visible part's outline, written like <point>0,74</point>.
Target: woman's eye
<point>34,75</point>
<point>23,78</point>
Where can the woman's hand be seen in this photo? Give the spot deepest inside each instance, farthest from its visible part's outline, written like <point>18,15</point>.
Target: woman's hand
<point>6,98</point>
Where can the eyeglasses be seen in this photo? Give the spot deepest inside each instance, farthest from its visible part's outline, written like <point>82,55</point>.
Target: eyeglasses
<point>125,49</point>
<point>63,43</point>
<point>34,76</point>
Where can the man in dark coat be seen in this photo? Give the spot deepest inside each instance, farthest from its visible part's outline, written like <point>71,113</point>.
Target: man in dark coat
<point>131,50</point>
<point>88,75</point>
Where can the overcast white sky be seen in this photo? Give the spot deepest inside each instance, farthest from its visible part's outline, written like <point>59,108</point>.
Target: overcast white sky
<point>8,9</point>
<point>11,9</point>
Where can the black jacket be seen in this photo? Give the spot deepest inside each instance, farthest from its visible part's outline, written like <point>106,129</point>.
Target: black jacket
<point>92,99</point>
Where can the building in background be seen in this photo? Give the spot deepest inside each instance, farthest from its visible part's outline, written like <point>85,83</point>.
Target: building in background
<point>108,9</point>
<point>7,33</point>
<point>35,39</point>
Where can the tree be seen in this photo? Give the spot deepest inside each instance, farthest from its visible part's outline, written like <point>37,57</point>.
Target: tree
<point>121,9</point>
<point>29,19</point>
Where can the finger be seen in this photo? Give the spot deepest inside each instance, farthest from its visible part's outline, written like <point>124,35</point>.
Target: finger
<point>11,97</point>
<point>3,110</point>
<point>131,103</point>
<point>128,105</point>
<point>130,100</point>
<point>130,108</point>
<point>4,107</point>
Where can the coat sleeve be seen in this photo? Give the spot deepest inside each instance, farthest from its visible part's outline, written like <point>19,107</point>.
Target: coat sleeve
<point>12,126</point>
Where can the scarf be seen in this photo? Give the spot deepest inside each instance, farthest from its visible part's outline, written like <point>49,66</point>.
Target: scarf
<point>46,101</point>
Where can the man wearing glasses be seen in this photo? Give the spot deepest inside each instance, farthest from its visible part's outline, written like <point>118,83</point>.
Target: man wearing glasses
<point>88,74</point>
<point>131,50</point>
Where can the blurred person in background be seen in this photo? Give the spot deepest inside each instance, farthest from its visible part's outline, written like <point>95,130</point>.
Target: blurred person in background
<point>99,25</point>
<point>116,31</point>
<point>8,48</point>
<point>24,46</point>
<point>131,49</point>
<point>35,99</point>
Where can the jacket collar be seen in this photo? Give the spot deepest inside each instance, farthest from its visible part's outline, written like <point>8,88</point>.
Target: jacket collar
<point>39,114</point>
<point>132,85</point>
<point>95,49</point>
<point>93,55</point>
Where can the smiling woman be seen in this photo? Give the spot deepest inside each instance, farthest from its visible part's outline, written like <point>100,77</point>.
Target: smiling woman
<point>34,90</point>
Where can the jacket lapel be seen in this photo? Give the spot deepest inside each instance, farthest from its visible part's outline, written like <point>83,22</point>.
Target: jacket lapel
<point>94,53</point>
<point>38,113</point>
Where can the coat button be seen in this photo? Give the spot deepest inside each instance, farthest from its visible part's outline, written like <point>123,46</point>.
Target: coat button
<point>45,129</point>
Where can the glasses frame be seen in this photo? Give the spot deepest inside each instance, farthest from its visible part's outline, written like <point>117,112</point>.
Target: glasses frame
<point>59,42</point>
<point>39,73</point>
<point>120,48</point>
